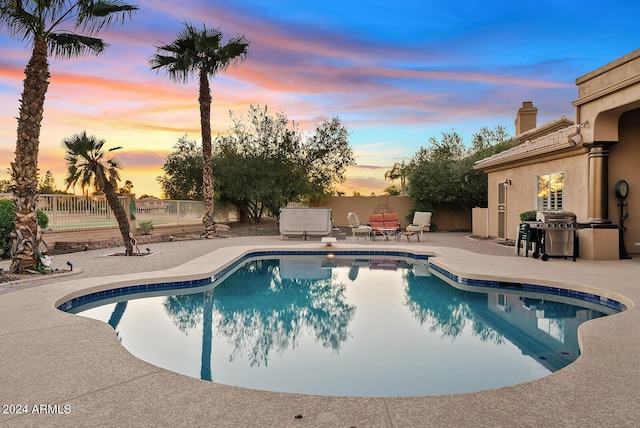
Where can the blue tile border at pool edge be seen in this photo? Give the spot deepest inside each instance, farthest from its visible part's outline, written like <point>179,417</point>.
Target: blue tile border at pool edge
<point>588,297</point>
<point>123,291</point>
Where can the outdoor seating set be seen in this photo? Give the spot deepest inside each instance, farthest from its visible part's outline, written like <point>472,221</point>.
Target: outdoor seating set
<point>317,223</point>
<point>387,227</point>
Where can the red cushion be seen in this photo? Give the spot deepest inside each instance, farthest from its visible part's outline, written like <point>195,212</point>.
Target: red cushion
<point>383,221</point>
<point>391,217</point>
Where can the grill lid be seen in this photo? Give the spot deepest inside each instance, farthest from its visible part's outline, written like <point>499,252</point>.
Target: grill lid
<point>556,216</point>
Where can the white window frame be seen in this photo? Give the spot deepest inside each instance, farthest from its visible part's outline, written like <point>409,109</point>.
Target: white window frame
<point>552,197</point>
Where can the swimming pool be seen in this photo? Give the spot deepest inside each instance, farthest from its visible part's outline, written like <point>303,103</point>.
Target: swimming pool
<point>362,324</point>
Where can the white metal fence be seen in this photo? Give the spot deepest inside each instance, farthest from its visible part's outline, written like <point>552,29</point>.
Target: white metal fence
<point>71,212</point>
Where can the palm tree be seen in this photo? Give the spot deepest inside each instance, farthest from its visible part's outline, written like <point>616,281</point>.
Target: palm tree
<point>201,53</point>
<point>128,186</point>
<point>85,164</point>
<point>398,171</point>
<point>50,26</point>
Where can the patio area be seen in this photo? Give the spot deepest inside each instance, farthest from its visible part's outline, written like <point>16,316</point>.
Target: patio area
<point>52,358</point>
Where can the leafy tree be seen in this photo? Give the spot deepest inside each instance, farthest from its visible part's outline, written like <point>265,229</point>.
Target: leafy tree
<point>264,163</point>
<point>484,143</point>
<point>326,156</point>
<point>182,179</point>
<point>47,185</point>
<point>446,309</point>
<point>64,29</point>
<point>393,190</point>
<point>256,165</point>
<point>443,174</point>
<point>86,165</point>
<point>201,53</point>
<point>262,322</point>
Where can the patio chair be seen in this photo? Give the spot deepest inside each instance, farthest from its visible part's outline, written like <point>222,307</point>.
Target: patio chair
<point>421,223</point>
<point>529,239</point>
<point>358,229</point>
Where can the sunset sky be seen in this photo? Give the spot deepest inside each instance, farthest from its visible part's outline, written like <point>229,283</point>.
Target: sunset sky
<point>396,73</point>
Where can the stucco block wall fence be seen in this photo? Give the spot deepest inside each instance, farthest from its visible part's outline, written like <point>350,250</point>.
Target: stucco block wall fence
<point>60,247</point>
<point>363,206</point>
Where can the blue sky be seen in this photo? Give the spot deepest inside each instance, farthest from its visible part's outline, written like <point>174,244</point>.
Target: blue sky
<point>396,73</point>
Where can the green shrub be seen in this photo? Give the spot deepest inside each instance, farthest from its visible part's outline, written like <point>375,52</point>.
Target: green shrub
<point>7,217</point>
<point>146,227</point>
<point>528,216</point>
<point>43,219</point>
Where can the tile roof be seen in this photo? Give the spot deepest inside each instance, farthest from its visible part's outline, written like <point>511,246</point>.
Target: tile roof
<point>554,141</point>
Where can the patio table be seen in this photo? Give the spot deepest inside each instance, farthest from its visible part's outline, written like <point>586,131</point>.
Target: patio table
<point>388,233</point>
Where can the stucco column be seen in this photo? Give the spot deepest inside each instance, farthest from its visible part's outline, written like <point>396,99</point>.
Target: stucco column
<point>599,181</point>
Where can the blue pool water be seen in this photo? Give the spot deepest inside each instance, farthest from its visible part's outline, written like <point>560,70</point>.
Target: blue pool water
<point>350,326</point>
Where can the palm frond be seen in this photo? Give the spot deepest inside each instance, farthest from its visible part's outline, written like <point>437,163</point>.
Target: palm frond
<point>19,22</point>
<point>69,45</point>
<point>198,51</point>
<point>210,39</point>
<point>53,19</point>
<point>94,16</point>
<point>85,162</point>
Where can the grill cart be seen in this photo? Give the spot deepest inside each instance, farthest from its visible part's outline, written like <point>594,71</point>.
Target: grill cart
<point>558,235</point>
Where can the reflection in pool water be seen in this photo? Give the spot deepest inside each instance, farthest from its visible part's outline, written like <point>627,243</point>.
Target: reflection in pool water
<point>356,327</point>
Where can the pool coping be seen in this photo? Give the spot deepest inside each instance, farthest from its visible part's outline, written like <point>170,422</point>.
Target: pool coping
<point>102,382</point>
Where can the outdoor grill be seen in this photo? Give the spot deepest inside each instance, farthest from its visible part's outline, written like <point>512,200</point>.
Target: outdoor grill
<point>557,234</point>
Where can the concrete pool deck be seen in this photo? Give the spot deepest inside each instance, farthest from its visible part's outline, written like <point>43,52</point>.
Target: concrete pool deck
<point>52,358</point>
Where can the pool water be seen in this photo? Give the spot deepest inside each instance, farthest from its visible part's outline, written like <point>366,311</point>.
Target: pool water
<point>345,326</point>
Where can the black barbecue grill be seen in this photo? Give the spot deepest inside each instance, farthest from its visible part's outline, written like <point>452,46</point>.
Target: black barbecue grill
<point>556,234</point>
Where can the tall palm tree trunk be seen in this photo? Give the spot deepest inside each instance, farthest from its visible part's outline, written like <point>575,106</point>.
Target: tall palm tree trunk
<point>26,238</point>
<point>204,100</point>
<point>121,216</point>
<point>117,314</point>
<point>207,336</point>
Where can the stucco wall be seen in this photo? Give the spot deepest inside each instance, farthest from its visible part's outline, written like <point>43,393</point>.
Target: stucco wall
<point>608,114</point>
<point>445,219</point>
<point>521,194</point>
<point>624,160</point>
<point>604,94</point>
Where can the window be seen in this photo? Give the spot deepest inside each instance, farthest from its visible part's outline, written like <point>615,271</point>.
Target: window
<point>551,192</point>
<point>553,327</point>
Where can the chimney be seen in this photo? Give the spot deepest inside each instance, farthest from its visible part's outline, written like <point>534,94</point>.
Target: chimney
<point>526,118</point>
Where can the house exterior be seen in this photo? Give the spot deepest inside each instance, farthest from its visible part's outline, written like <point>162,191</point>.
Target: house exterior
<point>574,165</point>
<point>151,204</point>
